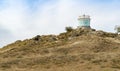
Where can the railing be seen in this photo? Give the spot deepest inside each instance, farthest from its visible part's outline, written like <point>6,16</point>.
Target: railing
<point>84,16</point>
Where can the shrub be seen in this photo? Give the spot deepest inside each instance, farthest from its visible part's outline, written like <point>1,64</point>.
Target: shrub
<point>115,63</point>
<point>37,37</point>
<point>68,29</point>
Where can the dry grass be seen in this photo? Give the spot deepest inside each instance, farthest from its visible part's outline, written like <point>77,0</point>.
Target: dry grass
<point>76,50</point>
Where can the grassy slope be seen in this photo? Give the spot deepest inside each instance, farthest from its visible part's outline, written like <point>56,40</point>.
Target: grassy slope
<point>76,50</point>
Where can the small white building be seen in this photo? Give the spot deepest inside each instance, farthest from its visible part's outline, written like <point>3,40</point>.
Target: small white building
<point>84,21</point>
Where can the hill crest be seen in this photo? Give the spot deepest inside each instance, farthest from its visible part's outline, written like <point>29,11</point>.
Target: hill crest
<point>80,49</point>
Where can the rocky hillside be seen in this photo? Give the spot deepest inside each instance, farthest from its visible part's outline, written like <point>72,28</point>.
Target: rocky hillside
<point>74,50</point>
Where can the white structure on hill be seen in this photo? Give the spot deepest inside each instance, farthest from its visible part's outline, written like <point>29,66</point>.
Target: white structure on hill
<point>84,21</point>
<point>117,28</point>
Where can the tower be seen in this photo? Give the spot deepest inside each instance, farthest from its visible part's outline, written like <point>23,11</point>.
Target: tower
<point>84,21</point>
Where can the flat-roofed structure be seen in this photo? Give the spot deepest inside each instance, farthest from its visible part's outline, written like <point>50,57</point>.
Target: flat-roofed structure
<point>84,21</point>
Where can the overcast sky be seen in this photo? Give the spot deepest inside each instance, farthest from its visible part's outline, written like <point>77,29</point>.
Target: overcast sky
<point>22,19</point>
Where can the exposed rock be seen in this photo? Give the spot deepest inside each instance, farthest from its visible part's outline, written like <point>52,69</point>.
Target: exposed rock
<point>80,49</point>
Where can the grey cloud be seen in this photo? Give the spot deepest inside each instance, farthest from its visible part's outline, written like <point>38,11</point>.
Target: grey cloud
<point>4,32</point>
<point>5,37</point>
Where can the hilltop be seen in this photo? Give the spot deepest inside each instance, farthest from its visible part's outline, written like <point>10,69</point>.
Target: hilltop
<point>78,49</point>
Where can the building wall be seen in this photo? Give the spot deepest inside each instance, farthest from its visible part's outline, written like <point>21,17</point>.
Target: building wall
<point>84,22</point>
